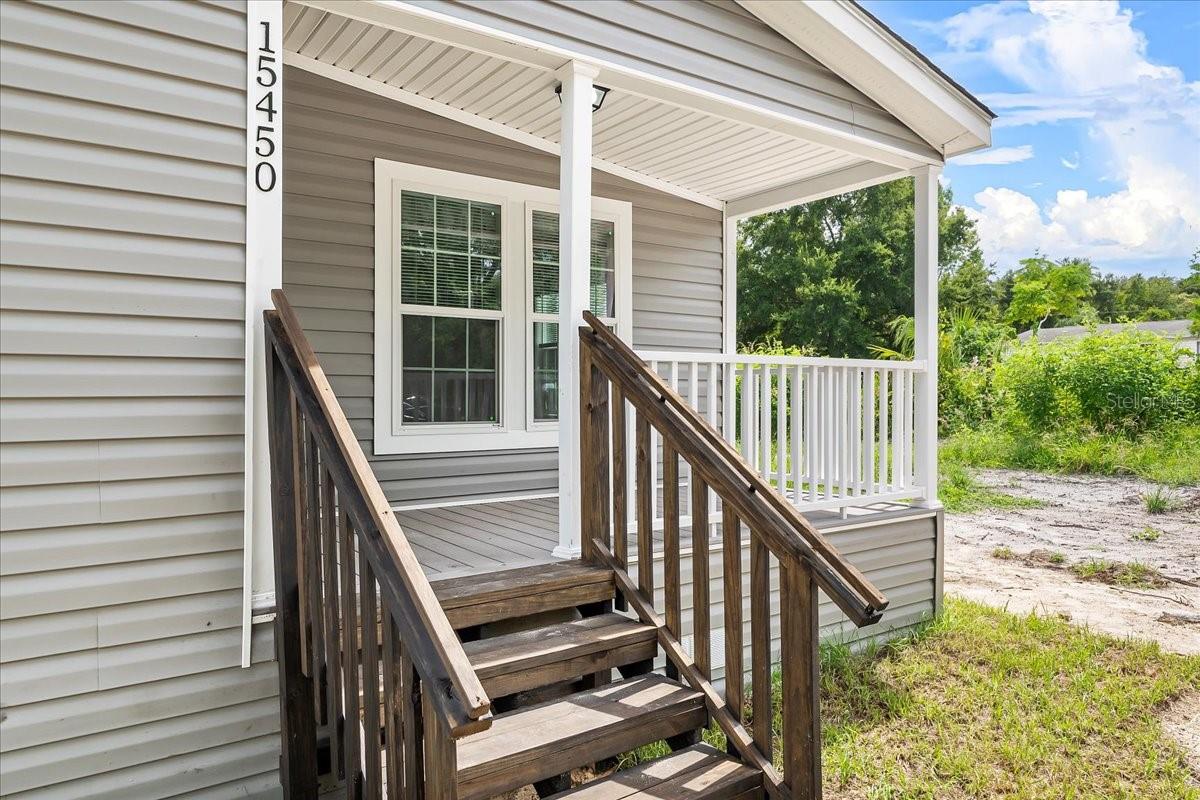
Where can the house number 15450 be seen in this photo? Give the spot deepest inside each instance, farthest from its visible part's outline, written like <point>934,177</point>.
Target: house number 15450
<point>266,140</point>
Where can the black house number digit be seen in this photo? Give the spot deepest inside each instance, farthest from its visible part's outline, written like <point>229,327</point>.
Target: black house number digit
<point>265,137</point>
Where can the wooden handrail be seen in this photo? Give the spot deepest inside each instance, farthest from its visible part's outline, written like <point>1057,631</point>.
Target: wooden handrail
<point>424,630</point>
<point>787,532</point>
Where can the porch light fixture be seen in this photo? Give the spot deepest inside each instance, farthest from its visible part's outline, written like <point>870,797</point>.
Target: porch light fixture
<point>598,95</point>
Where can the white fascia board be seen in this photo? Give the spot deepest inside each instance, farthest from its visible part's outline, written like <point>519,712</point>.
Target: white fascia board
<point>842,37</point>
<point>349,78</point>
<point>828,185</point>
<point>446,29</point>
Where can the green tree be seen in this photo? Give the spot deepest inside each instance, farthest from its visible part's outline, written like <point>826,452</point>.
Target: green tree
<point>831,274</point>
<point>1043,288</point>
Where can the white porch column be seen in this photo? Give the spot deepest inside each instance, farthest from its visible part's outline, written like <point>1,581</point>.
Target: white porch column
<point>925,317</point>
<point>574,276</point>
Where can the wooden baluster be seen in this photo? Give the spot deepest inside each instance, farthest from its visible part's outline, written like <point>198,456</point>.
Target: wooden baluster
<point>393,707</point>
<point>620,486</point>
<point>593,451</point>
<point>731,536</point>
<point>645,511</point>
<point>701,607</point>
<point>351,739</point>
<point>329,605</point>
<point>441,754</point>
<point>412,730</point>
<point>312,553</point>
<point>671,593</point>
<point>372,783</point>
<point>801,682</point>
<point>298,727</point>
<point>760,642</point>
<point>304,580</point>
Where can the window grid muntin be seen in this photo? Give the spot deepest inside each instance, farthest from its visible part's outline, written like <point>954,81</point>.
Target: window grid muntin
<point>476,244</point>
<point>546,313</point>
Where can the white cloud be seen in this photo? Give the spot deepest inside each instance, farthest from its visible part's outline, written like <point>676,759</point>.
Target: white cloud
<point>1086,61</point>
<point>997,155</point>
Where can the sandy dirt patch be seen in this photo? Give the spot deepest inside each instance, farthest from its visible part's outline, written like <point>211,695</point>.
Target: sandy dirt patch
<point>1084,517</point>
<point>1181,721</point>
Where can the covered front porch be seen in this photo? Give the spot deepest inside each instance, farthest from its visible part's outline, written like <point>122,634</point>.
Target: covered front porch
<point>405,83</point>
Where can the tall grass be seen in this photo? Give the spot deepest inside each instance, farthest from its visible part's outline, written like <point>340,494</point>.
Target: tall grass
<point>1169,455</point>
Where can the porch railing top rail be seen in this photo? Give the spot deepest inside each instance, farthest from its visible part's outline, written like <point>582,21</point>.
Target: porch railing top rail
<point>687,357</point>
<point>429,640</point>
<point>784,528</point>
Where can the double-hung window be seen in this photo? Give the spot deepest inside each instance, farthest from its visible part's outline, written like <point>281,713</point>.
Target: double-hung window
<point>466,307</point>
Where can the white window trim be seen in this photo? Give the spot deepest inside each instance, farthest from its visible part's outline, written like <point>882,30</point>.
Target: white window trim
<point>516,429</point>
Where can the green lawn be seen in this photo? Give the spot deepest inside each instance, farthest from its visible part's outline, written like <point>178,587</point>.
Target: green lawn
<point>1167,457</point>
<point>985,704</point>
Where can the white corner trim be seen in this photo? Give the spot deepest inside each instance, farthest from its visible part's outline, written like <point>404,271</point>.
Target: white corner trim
<point>264,272</point>
<point>729,283</point>
<point>830,184</point>
<point>408,98</point>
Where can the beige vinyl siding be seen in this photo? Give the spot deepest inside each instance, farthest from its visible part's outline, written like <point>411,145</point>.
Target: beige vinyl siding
<point>332,134</point>
<point>715,46</point>
<point>121,411</point>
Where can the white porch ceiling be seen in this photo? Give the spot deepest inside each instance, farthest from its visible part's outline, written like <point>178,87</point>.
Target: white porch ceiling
<point>699,154</point>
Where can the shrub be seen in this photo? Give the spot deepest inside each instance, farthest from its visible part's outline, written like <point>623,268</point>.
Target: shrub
<point>1116,382</point>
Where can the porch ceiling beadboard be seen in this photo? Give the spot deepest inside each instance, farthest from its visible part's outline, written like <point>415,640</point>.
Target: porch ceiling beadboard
<point>700,153</point>
<point>121,377</point>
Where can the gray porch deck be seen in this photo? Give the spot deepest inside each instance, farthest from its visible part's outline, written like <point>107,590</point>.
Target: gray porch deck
<point>451,541</point>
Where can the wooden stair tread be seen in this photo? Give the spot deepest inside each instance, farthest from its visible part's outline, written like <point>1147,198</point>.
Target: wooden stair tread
<point>551,738</point>
<point>478,599</point>
<point>529,659</point>
<point>699,771</point>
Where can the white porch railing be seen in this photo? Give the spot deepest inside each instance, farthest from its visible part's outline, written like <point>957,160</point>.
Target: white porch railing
<point>828,433</point>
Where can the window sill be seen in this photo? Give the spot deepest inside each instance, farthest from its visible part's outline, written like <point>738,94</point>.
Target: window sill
<point>462,442</point>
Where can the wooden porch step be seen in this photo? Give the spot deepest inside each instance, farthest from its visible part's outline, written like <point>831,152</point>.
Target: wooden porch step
<point>700,772</point>
<point>520,592</point>
<point>517,662</point>
<point>548,739</point>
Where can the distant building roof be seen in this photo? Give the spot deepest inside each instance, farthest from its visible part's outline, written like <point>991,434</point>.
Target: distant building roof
<point>1171,329</point>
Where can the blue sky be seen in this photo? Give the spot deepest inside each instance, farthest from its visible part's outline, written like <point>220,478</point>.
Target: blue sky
<point>1096,151</point>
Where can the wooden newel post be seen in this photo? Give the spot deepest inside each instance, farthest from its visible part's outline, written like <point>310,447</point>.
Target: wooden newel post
<point>594,498</point>
<point>801,682</point>
<point>298,732</point>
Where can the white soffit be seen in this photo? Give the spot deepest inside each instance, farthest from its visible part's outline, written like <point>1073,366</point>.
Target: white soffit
<point>697,155</point>
<point>855,45</point>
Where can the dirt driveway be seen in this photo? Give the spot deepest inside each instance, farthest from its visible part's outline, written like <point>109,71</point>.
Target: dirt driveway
<point>1084,518</point>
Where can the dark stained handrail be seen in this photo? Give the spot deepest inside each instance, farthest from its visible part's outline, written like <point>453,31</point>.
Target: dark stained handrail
<point>425,631</point>
<point>787,532</point>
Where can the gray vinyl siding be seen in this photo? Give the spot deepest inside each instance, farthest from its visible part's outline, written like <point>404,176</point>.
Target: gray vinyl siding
<point>122,228</point>
<point>897,551</point>
<point>332,134</point>
<point>716,46</point>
